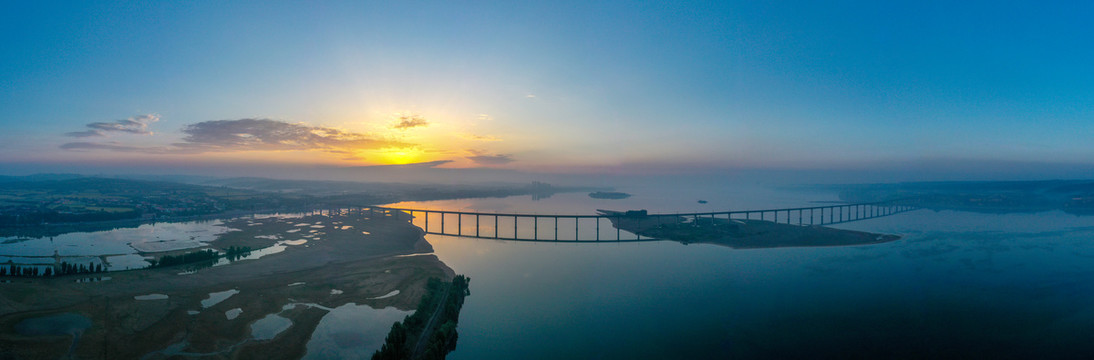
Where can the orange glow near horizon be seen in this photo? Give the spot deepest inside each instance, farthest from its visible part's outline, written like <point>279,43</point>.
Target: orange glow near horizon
<point>401,156</point>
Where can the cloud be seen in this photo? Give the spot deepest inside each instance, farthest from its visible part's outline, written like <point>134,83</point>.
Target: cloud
<point>410,121</point>
<point>266,134</point>
<point>479,137</point>
<point>485,117</point>
<point>530,96</point>
<point>112,146</point>
<point>87,133</point>
<point>135,125</point>
<point>483,158</point>
<point>419,165</point>
<point>254,135</point>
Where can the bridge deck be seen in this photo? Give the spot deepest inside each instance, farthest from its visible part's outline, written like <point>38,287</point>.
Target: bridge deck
<point>598,228</point>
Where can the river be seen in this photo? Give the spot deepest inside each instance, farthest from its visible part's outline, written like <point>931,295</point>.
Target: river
<point>956,284</point>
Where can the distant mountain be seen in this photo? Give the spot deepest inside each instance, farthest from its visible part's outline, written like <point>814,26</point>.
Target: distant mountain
<point>392,190</point>
<point>40,177</point>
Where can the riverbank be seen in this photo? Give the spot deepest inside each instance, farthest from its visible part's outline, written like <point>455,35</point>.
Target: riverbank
<point>430,333</point>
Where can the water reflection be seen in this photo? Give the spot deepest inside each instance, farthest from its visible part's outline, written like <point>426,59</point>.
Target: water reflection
<point>269,327</point>
<point>352,332</point>
<point>957,283</point>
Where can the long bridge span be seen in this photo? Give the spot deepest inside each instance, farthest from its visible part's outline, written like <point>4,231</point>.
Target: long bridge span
<point>599,227</point>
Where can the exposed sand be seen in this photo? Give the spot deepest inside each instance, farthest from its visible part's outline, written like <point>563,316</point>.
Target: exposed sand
<point>363,267</point>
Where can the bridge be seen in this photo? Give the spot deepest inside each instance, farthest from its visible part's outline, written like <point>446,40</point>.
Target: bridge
<point>602,227</point>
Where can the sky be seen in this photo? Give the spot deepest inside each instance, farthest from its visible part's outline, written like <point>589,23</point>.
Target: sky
<point>965,89</point>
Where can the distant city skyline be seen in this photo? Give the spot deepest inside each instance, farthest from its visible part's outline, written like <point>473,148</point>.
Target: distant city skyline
<point>935,90</point>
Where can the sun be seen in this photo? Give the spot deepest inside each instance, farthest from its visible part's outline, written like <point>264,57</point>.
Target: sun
<point>401,156</point>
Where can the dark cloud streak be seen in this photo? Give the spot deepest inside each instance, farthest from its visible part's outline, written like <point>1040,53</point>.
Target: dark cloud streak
<point>112,146</point>
<point>242,135</point>
<point>138,125</point>
<point>410,121</point>
<point>480,157</point>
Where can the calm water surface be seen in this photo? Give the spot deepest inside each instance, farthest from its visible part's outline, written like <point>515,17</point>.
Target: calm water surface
<point>956,284</point>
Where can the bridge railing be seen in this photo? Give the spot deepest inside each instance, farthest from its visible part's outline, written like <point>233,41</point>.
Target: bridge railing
<point>599,227</point>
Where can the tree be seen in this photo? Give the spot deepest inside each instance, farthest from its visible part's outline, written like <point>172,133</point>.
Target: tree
<point>395,345</point>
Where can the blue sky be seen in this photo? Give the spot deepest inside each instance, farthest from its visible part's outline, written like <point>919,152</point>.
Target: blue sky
<point>553,86</point>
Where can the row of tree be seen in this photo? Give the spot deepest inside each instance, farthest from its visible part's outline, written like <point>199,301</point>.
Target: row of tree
<point>234,253</point>
<point>26,271</point>
<point>190,257</point>
<point>64,269</point>
<point>67,269</point>
<point>404,335</point>
<point>19,217</point>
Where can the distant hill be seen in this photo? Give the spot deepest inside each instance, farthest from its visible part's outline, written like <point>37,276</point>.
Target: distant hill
<point>66,198</point>
<point>1072,196</point>
<point>39,177</point>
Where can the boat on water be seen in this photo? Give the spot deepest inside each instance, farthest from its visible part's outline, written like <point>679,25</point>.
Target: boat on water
<point>628,213</point>
<point>613,195</point>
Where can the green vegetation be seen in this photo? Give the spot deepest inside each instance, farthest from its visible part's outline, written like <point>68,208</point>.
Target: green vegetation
<point>67,269</point>
<point>441,304</point>
<point>204,258</point>
<point>64,268</point>
<point>187,258</point>
<point>24,271</point>
<point>234,253</point>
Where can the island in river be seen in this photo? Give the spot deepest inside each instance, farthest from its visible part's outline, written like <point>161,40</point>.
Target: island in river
<point>738,233</point>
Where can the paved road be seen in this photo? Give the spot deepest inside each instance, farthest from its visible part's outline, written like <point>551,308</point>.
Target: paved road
<point>427,331</point>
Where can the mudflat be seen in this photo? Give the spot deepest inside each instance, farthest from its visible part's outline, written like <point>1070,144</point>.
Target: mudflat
<point>354,259</point>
